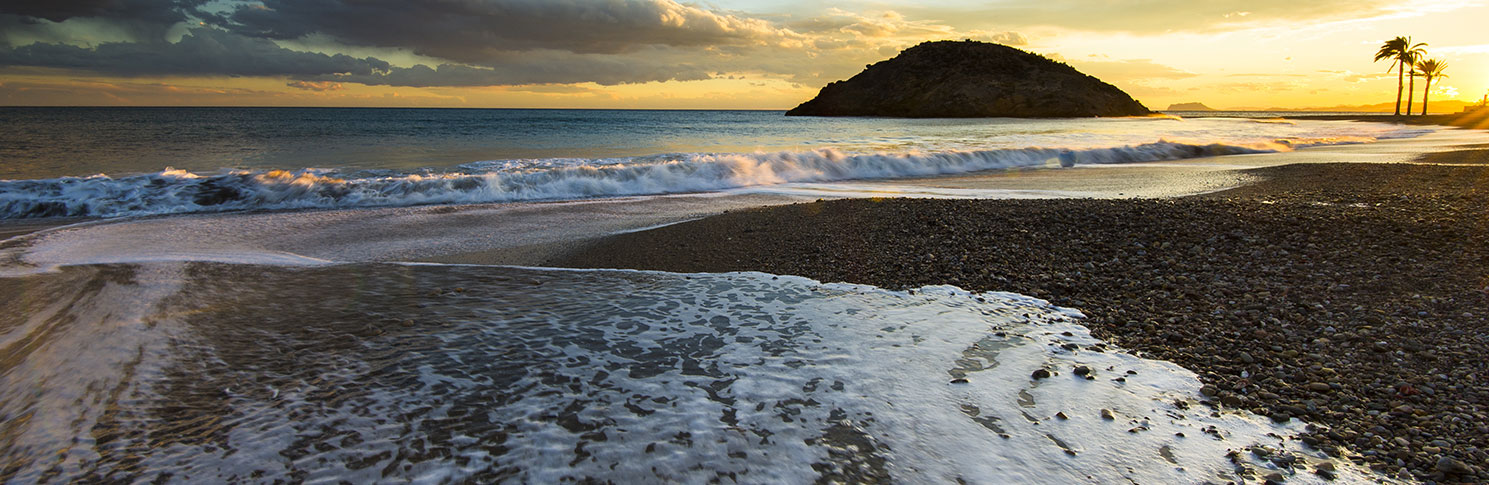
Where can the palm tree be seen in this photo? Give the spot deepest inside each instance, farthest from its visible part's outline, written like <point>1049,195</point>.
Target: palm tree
<point>1429,69</point>
<point>1409,59</point>
<point>1392,50</point>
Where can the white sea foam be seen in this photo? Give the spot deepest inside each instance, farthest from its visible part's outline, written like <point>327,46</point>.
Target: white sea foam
<point>551,376</point>
<point>177,191</point>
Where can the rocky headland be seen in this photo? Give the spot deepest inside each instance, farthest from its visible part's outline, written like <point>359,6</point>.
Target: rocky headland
<point>950,79</point>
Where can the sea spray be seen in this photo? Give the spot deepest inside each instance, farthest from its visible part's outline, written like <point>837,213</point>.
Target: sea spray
<point>179,191</point>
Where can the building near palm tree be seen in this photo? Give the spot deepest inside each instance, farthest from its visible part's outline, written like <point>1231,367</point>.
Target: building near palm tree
<point>1483,105</point>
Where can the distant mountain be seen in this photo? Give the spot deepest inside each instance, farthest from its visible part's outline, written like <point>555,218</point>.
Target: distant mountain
<point>1189,107</point>
<point>949,79</point>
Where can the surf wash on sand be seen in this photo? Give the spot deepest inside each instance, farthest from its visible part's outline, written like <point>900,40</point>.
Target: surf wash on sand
<point>439,373</point>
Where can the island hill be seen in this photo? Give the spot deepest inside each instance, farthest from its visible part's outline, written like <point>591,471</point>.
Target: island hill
<point>1189,107</point>
<point>967,79</point>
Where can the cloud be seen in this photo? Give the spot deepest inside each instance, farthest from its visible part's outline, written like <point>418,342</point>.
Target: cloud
<point>24,21</point>
<point>542,68</point>
<point>317,86</point>
<point>1463,49</point>
<point>892,24</point>
<point>155,11</point>
<point>83,92</point>
<point>889,24</point>
<point>1144,90</point>
<point>1128,69</point>
<point>1009,38</point>
<point>1254,87</point>
<point>1267,74</point>
<point>201,51</point>
<point>478,31</point>
<point>1156,16</point>
<point>212,52</point>
<point>553,89</point>
<point>92,93</point>
<point>433,43</point>
<point>1355,77</point>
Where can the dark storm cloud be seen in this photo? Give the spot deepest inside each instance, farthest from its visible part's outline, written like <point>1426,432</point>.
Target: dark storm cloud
<point>486,42</point>
<point>154,11</point>
<point>563,68</point>
<point>202,51</point>
<point>475,31</point>
<point>463,42</point>
<point>24,21</point>
<point>207,51</point>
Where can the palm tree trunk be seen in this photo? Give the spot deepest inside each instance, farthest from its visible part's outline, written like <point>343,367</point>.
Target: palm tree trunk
<point>1400,71</point>
<point>1426,90</point>
<point>1412,89</point>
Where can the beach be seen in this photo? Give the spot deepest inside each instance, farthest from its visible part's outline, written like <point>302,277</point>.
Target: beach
<point>1348,295</point>
<point>914,302</point>
<point>744,242</point>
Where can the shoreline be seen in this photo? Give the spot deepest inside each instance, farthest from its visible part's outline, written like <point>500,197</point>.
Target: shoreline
<point>1348,295</point>
<point>1472,120</point>
<point>10,228</point>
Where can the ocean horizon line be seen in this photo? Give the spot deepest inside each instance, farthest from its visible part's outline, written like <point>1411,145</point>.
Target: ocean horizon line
<point>475,108</point>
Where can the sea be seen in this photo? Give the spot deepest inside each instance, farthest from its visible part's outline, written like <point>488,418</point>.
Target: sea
<point>289,294</point>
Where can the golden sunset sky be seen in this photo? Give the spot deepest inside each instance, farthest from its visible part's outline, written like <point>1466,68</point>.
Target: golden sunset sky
<point>765,54</point>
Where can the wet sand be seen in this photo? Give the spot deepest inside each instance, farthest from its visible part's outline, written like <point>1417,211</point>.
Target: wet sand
<point>13,228</point>
<point>1352,296</point>
<point>1470,155</point>
<point>1474,120</point>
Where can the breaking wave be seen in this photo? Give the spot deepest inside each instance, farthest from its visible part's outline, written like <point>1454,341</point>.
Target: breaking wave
<point>177,191</point>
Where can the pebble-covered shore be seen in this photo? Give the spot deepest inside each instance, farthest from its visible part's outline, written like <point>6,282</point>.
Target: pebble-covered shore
<point>1352,296</point>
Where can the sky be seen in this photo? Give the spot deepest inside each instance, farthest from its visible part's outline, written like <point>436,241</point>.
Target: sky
<point>735,54</point>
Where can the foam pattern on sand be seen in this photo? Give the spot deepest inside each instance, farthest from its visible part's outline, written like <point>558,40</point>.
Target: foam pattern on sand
<point>178,191</point>
<point>438,373</point>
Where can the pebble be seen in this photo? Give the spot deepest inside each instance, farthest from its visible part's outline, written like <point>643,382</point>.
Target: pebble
<point>1452,466</point>
<point>1107,415</point>
<point>1358,329</point>
<point>1082,370</point>
<point>1040,374</point>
